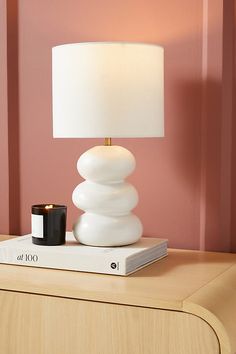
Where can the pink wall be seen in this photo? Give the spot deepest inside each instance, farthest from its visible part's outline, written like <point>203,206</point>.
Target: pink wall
<point>184,180</point>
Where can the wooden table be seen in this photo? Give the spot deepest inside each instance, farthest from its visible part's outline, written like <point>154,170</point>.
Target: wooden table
<point>183,304</point>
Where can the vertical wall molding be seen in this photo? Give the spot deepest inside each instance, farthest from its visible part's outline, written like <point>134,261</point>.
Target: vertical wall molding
<point>227,121</point>
<point>233,156</point>
<point>9,158</point>
<point>211,120</point>
<point>4,154</point>
<point>216,127</point>
<point>13,115</point>
<point>203,145</point>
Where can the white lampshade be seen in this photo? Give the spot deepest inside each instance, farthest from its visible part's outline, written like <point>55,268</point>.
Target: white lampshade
<point>107,89</point>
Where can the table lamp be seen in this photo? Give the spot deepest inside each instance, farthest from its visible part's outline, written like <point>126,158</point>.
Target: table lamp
<point>107,90</point>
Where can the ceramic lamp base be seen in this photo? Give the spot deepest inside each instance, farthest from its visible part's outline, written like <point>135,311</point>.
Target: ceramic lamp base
<point>106,198</point>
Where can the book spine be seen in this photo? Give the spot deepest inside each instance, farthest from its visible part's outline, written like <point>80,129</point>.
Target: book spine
<point>83,263</point>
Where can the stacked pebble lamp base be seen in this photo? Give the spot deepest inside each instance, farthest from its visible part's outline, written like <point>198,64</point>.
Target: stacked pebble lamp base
<point>106,199</point>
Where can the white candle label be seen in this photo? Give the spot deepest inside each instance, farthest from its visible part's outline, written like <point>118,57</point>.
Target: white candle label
<point>37,225</point>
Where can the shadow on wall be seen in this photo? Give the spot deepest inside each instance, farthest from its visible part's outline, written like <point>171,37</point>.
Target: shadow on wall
<point>212,153</point>
<point>193,163</point>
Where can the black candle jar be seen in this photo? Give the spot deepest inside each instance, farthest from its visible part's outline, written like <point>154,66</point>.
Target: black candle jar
<point>48,223</point>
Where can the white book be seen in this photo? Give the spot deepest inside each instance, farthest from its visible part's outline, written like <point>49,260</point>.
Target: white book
<point>74,256</point>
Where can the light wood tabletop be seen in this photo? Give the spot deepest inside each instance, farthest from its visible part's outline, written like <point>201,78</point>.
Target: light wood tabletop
<point>199,283</point>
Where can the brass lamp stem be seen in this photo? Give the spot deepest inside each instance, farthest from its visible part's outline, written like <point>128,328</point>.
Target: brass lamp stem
<point>107,142</point>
